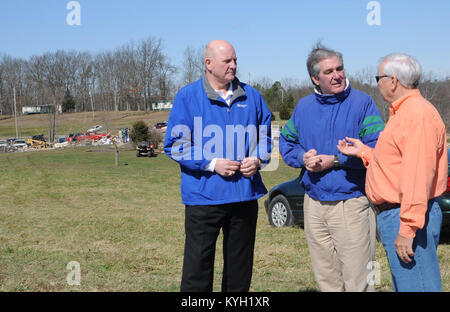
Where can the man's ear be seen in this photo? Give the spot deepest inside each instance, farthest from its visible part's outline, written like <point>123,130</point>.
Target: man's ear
<point>394,83</point>
<point>208,62</point>
<point>315,80</point>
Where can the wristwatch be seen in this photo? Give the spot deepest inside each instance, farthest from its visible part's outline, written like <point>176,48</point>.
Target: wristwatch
<point>336,161</point>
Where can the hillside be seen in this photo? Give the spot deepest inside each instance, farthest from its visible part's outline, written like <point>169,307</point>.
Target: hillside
<point>76,122</point>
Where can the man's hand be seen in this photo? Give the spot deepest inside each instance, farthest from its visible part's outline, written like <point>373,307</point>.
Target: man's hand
<point>403,246</point>
<point>249,166</point>
<point>317,163</point>
<point>310,160</point>
<point>226,167</point>
<point>349,146</point>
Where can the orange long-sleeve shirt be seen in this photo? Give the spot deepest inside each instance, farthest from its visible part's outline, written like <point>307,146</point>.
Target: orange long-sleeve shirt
<point>409,162</point>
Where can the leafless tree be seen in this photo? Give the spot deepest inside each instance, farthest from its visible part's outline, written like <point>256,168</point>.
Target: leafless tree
<point>148,53</point>
<point>193,66</point>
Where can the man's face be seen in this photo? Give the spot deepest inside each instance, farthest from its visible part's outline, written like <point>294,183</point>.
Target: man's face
<point>331,79</point>
<point>224,64</point>
<point>383,83</point>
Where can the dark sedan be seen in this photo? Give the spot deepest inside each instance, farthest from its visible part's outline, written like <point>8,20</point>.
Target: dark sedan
<point>284,204</point>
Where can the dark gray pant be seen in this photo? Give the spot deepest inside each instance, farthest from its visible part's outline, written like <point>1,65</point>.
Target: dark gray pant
<point>202,227</point>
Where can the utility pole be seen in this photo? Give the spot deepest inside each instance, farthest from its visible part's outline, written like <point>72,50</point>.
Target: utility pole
<point>92,104</point>
<point>15,111</point>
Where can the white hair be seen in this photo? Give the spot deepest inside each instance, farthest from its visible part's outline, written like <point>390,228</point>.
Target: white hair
<point>406,68</point>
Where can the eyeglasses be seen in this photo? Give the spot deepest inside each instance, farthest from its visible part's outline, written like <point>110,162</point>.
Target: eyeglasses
<point>377,78</point>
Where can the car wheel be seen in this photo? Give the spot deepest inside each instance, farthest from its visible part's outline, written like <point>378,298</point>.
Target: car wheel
<point>280,212</point>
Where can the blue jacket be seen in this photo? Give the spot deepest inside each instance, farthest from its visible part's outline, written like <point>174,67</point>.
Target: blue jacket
<point>319,122</point>
<point>202,126</point>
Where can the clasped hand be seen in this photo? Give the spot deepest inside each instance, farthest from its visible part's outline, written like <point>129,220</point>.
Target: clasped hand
<point>248,166</point>
<point>317,163</point>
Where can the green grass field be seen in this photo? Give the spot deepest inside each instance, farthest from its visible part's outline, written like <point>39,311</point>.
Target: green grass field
<point>125,227</point>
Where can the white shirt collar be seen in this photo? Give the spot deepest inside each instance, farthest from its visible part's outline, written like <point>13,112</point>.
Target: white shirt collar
<point>227,97</point>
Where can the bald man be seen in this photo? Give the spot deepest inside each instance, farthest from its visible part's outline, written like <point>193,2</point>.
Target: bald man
<point>219,133</point>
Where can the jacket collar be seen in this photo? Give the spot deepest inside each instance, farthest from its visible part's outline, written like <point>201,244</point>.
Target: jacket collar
<point>238,91</point>
<point>333,98</point>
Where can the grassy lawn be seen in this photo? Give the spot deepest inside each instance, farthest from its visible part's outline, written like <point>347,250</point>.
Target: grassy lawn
<point>125,226</point>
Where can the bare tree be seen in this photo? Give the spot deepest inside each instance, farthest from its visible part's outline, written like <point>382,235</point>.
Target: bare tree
<point>165,72</point>
<point>109,79</point>
<point>148,53</point>
<point>262,83</point>
<point>193,65</point>
<point>12,76</point>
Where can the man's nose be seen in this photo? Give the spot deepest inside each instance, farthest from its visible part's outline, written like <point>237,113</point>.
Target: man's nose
<point>337,74</point>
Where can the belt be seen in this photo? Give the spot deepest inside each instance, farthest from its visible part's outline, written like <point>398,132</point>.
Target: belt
<point>386,206</point>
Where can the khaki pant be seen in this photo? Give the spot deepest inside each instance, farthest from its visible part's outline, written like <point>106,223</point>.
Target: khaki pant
<point>341,241</point>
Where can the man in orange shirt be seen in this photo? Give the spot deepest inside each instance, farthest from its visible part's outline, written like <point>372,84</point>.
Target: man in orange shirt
<point>406,171</point>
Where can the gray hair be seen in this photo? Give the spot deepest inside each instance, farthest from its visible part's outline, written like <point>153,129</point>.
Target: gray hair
<point>406,68</point>
<point>319,53</point>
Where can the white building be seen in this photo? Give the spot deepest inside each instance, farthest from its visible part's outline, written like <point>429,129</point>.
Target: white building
<point>40,109</point>
<point>162,106</point>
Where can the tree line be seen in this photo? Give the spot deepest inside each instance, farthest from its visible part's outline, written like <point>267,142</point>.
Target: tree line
<point>136,74</point>
<point>127,78</point>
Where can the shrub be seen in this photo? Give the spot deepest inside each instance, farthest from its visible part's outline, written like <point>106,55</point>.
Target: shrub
<point>155,137</point>
<point>285,114</point>
<point>139,132</point>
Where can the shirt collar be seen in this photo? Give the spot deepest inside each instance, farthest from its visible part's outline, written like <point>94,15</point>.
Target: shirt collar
<point>395,106</point>
<point>228,95</point>
<point>235,86</point>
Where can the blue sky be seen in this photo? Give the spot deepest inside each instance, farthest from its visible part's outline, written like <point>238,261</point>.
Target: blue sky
<point>271,38</point>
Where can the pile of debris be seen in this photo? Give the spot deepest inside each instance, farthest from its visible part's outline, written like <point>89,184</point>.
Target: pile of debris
<point>91,137</point>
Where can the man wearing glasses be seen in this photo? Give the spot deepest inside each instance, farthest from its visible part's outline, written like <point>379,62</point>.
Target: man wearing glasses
<point>339,224</point>
<point>405,173</point>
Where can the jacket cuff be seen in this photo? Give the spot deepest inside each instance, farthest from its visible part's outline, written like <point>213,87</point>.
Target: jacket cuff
<point>300,159</point>
<point>342,158</point>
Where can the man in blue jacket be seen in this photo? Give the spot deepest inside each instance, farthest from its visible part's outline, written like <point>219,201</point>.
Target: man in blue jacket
<point>339,224</point>
<point>219,133</point>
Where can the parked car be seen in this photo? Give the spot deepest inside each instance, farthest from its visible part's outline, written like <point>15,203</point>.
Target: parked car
<point>3,144</point>
<point>161,126</point>
<point>284,204</point>
<point>20,144</point>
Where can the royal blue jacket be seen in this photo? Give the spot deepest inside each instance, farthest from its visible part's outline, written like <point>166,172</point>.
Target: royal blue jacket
<point>319,122</point>
<point>202,126</point>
